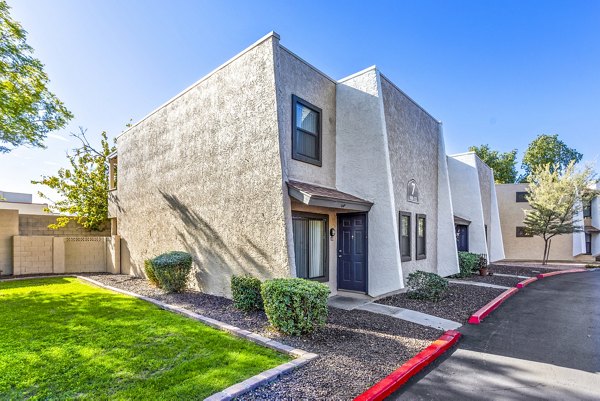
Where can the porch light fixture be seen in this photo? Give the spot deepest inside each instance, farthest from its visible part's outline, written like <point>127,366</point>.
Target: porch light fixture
<point>332,232</point>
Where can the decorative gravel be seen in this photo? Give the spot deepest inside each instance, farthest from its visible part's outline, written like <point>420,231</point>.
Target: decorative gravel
<point>458,304</point>
<point>498,280</point>
<point>356,348</point>
<point>522,270</point>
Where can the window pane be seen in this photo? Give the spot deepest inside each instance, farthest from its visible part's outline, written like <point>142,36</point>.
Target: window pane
<point>404,226</point>
<point>307,119</point>
<point>300,228</point>
<point>421,227</point>
<point>317,251</point>
<point>307,144</point>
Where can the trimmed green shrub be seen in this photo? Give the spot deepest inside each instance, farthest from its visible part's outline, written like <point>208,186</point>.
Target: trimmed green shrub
<point>428,286</point>
<point>172,270</point>
<point>246,293</point>
<point>149,269</point>
<point>468,263</point>
<point>295,306</point>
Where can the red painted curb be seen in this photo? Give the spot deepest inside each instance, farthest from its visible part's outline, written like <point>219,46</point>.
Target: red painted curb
<point>400,376</point>
<point>544,275</point>
<point>526,282</point>
<point>478,316</point>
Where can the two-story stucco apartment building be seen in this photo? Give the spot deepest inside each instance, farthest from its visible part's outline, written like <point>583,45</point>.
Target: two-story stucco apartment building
<point>269,167</point>
<point>582,246</point>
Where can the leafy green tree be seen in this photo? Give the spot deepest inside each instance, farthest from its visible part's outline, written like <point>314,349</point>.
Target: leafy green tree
<point>556,197</point>
<point>28,110</point>
<point>504,164</point>
<point>83,188</point>
<point>548,150</point>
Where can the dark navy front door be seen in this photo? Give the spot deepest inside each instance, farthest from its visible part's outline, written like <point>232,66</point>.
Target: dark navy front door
<point>462,238</point>
<point>352,252</point>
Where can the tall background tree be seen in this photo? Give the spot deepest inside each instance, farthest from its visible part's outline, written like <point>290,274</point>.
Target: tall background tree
<point>556,196</point>
<point>504,164</point>
<point>28,110</point>
<point>548,150</point>
<point>83,188</point>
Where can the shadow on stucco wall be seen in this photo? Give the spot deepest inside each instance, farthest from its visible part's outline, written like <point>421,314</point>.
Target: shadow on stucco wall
<point>215,261</point>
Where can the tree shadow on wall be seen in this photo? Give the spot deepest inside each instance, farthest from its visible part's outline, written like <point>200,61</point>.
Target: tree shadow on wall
<point>211,254</point>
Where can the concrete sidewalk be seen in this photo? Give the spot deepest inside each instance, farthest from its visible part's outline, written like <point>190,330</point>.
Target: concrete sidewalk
<point>541,344</point>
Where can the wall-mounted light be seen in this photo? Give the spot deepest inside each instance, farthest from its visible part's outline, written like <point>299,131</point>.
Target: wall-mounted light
<point>332,232</point>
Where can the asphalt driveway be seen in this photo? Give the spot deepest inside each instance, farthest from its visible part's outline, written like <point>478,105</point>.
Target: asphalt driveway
<point>543,343</point>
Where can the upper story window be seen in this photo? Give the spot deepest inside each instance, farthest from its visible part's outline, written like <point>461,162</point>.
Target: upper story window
<point>306,132</point>
<point>587,208</point>
<point>522,197</point>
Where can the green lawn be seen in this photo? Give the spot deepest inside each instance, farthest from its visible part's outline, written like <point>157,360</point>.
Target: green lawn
<point>63,339</point>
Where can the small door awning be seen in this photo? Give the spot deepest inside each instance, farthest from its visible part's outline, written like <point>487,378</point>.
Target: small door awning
<point>461,221</point>
<point>591,230</point>
<point>315,195</point>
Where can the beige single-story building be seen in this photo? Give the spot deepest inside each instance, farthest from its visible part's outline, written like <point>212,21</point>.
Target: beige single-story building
<point>582,246</point>
<point>267,166</point>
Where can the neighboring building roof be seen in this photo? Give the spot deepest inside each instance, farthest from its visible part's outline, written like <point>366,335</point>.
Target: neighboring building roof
<point>315,195</point>
<point>17,197</point>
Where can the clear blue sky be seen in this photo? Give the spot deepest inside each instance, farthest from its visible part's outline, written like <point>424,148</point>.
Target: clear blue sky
<point>493,72</point>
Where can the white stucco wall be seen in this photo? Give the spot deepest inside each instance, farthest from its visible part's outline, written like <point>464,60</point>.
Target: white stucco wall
<point>466,198</point>
<point>596,223</point>
<point>495,241</point>
<point>447,254</point>
<point>363,169</point>
<point>579,237</point>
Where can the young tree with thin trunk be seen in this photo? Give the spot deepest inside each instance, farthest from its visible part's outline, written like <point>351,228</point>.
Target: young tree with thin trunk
<point>83,188</point>
<point>556,197</point>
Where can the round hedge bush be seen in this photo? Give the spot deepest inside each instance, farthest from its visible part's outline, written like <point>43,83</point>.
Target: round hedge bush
<point>295,306</point>
<point>246,293</point>
<point>425,285</point>
<point>468,263</point>
<point>149,269</point>
<point>172,270</point>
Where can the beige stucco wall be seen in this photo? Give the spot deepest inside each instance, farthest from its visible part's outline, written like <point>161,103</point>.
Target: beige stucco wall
<point>296,77</point>
<point>413,150</point>
<point>203,174</point>
<point>525,248</point>
<point>9,227</point>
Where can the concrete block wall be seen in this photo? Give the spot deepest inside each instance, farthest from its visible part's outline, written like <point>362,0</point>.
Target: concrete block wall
<point>57,255</point>
<point>32,255</point>
<point>31,224</point>
<point>85,254</point>
<point>9,226</point>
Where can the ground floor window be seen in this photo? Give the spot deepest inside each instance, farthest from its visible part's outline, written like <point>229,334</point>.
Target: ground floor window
<point>588,244</point>
<point>310,245</point>
<point>421,237</point>
<point>405,236</point>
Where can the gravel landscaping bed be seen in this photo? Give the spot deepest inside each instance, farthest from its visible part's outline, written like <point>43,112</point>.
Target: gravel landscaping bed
<point>458,304</point>
<point>497,280</point>
<point>520,270</point>
<point>356,348</point>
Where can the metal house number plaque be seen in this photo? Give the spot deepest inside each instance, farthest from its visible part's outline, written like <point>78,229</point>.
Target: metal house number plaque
<point>412,192</point>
